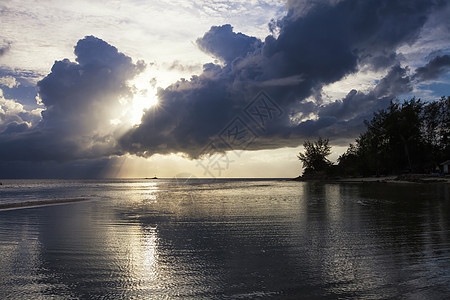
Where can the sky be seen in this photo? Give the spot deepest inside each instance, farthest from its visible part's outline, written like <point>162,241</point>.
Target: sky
<point>205,88</point>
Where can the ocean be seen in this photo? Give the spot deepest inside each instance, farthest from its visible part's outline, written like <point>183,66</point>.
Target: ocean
<point>223,239</point>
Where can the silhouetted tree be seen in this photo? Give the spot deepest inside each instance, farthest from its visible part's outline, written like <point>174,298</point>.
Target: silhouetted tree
<point>350,162</point>
<point>315,157</point>
<point>436,130</point>
<point>410,136</point>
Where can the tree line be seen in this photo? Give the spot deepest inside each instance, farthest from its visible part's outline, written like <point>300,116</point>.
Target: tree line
<point>408,137</point>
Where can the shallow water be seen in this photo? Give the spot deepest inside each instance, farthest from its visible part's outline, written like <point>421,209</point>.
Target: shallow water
<point>225,239</point>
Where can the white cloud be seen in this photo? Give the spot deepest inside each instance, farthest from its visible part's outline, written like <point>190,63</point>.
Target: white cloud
<point>14,112</point>
<point>9,81</point>
<point>9,106</point>
<point>162,31</point>
<point>364,81</point>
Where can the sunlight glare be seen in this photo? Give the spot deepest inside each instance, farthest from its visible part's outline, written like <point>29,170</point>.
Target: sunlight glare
<point>140,104</point>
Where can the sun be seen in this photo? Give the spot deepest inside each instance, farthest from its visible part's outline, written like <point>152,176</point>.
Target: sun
<point>140,103</point>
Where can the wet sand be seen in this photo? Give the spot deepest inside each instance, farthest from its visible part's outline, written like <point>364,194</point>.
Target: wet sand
<point>30,204</point>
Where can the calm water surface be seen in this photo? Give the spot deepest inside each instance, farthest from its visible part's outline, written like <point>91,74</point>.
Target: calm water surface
<point>225,239</point>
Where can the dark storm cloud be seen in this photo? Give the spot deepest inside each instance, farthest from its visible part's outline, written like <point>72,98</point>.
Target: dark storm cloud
<point>396,82</point>
<point>84,94</point>
<point>318,43</point>
<point>14,127</point>
<point>80,99</point>
<point>435,68</point>
<point>226,45</point>
<point>370,29</point>
<point>349,113</point>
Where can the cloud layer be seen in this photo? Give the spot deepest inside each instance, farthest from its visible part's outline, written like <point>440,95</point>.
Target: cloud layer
<point>319,43</point>
<point>258,94</point>
<point>80,99</point>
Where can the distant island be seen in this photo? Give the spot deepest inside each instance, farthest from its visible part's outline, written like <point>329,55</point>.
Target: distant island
<point>407,141</point>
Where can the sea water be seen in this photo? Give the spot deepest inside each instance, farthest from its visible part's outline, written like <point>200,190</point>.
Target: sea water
<point>223,239</point>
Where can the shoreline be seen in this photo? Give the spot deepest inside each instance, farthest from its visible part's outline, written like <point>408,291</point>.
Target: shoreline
<point>405,179</point>
<point>38,203</point>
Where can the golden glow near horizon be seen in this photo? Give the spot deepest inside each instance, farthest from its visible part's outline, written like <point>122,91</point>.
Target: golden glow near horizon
<point>273,163</point>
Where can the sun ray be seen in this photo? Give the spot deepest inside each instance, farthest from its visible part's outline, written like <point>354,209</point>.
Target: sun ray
<point>140,103</point>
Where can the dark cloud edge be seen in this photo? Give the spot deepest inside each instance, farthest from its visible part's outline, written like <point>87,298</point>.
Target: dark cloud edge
<point>313,49</point>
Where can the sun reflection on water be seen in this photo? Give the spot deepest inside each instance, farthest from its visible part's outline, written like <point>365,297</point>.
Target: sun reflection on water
<point>231,239</point>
